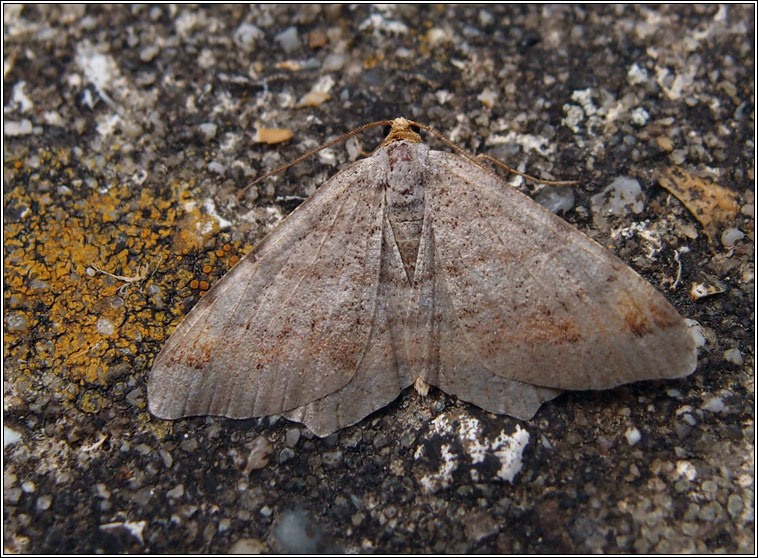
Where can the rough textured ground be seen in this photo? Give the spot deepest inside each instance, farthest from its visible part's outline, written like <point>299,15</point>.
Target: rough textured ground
<point>128,131</point>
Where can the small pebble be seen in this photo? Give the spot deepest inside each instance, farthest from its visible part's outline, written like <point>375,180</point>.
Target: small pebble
<point>168,460</point>
<point>734,506</point>
<point>709,486</point>
<point>291,437</point>
<point>636,75</point>
<point>678,156</point>
<point>44,502</point>
<point>714,405</point>
<point>288,39</point>
<point>176,492</point>
<point>734,356</point>
<point>730,237</point>
<point>215,166</point>
<point>640,116</point>
<point>297,534</point>
<point>149,53</point>
<point>189,445</point>
<point>665,143</point>
<point>332,458</point>
<point>286,454</point>
<point>317,39</point>
<point>23,128</point>
<point>334,62</point>
<point>246,35</point>
<point>247,546</point>
<point>488,98</point>
<point>620,196</point>
<point>105,327</point>
<point>208,130</point>
<point>259,454</point>
<point>12,495</point>
<point>557,199</point>
<point>485,18</point>
<point>632,435</point>
<point>16,321</point>
<point>272,135</point>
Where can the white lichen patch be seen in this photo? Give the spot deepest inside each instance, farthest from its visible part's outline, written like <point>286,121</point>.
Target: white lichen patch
<point>442,478</point>
<point>508,449</point>
<point>528,142</point>
<point>210,207</point>
<point>469,432</point>
<point>99,69</point>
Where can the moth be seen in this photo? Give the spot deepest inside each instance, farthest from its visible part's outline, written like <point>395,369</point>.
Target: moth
<point>416,266</point>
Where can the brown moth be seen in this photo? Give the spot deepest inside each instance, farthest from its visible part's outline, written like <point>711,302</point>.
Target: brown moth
<point>416,266</point>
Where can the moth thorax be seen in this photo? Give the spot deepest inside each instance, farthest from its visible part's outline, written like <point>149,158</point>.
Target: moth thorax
<point>406,165</point>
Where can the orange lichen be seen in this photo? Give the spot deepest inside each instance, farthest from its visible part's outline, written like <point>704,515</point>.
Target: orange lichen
<point>81,264</point>
<point>372,61</point>
<point>194,229</point>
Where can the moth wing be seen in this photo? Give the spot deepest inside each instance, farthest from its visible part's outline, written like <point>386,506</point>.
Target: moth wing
<point>536,301</point>
<point>451,360</point>
<point>291,321</point>
<point>383,371</point>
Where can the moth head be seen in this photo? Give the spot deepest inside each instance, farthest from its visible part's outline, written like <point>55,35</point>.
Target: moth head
<point>402,129</point>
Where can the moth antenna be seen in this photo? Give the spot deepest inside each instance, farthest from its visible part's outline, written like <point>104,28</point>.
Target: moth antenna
<point>477,160</point>
<point>529,177</point>
<point>312,152</point>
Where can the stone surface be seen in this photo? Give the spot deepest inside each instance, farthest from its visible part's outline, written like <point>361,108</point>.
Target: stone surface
<point>108,165</point>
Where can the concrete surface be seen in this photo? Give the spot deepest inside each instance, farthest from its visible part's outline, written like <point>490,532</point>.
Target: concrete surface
<point>129,129</point>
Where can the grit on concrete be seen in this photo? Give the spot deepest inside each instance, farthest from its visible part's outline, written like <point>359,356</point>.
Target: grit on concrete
<point>129,129</point>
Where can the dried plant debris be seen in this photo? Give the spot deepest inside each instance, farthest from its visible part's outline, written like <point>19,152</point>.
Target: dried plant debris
<point>708,286</point>
<point>712,205</point>
<point>272,135</point>
<point>416,266</point>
